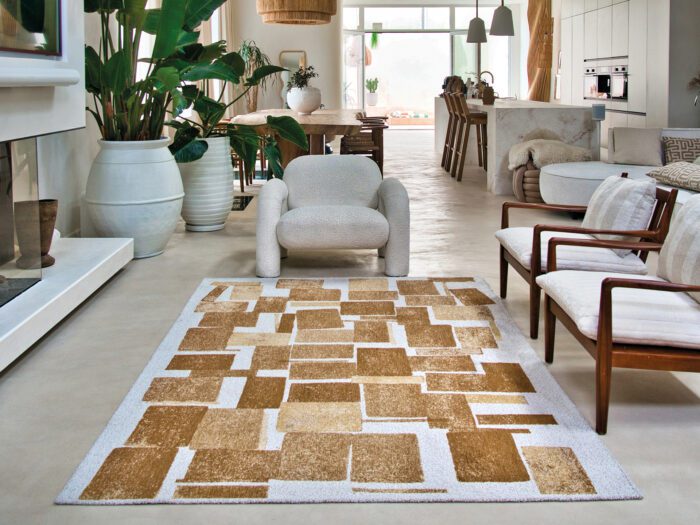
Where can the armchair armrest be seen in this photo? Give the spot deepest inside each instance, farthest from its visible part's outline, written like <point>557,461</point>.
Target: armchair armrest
<point>594,243</point>
<point>536,263</point>
<point>394,205</point>
<point>605,313</point>
<point>272,204</point>
<point>535,206</point>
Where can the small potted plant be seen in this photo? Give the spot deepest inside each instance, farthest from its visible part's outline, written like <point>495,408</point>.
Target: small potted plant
<point>372,84</point>
<point>301,97</point>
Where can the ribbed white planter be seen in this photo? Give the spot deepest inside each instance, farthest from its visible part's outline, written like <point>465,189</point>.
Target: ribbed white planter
<point>372,98</point>
<point>134,190</point>
<point>208,187</point>
<point>304,100</point>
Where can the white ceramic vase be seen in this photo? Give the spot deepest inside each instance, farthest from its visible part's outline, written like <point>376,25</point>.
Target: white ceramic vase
<point>372,98</point>
<point>304,100</point>
<point>134,190</point>
<point>208,187</point>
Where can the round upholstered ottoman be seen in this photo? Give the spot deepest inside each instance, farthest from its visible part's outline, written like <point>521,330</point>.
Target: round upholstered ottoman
<point>575,182</point>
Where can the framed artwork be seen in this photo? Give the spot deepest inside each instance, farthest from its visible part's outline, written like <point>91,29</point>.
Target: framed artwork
<point>31,26</point>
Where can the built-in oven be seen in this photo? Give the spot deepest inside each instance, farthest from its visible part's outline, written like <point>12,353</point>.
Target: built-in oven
<point>618,86</point>
<point>605,82</point>
<point>596,83</point>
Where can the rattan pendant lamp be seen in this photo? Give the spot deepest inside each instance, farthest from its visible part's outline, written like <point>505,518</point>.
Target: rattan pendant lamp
<point>298,12</point>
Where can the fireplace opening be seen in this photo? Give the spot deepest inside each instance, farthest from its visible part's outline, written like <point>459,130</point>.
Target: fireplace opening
<point>20,239</point>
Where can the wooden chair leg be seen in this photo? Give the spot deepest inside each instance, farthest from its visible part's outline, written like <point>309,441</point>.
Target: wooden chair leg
<point>463,150</point>
<point>448,139</point>
<point>535,295</point>
<point>451,148</point>
<point>550,323</point>
<point>479,145</point>
<point>503,272</point>
<point>485,147</point>
<point>241,174</point>
<point>603,373</point>
<point>457,154</point>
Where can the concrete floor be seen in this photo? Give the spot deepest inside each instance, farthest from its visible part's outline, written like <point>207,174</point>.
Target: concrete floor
<point>56,400</point>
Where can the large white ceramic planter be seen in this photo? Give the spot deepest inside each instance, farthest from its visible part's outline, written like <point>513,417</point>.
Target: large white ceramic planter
<point>134,190</point>
<point>304,100</point>
<point>372,98</point>
<point>208,187</point>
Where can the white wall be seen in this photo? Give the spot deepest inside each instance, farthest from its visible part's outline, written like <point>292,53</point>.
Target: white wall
<point>27,112</point>
<point>684,64</point>
<point>321,43</point>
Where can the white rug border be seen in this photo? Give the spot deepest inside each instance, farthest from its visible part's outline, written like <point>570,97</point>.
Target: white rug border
<point>610,480</point>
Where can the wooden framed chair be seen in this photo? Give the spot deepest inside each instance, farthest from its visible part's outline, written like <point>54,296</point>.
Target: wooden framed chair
<point>450,135</point>
<point>467,119</point>
<point>638,327</point>
<point>525,248</point>
<point>369,141</point>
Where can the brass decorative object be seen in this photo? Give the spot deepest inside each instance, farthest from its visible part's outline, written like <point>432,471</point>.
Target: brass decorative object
<point>297,12</point>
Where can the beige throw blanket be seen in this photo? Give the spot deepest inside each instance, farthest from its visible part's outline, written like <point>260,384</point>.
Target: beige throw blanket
<point>544,152</point>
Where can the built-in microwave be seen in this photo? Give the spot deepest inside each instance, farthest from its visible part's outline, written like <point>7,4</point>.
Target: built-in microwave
<point>605,82</point>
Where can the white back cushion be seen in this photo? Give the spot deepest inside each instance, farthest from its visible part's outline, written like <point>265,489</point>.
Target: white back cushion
<point>621,204</point>
<point>679,261</point>
<point>319,180</point>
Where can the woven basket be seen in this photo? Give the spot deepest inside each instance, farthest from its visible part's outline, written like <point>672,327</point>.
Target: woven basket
<point>300,12</point>
<point>526,183</point>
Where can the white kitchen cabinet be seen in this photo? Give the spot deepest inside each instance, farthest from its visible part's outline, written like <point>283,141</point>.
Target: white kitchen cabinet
<point>618,120</point>
<point>566,60</point>
<point>637,84</point>
<point>620,29</point>
<point>577,64</point>
<point>604,3</point>
<point>590,40</point>
<point>590,5</point>
<point>604,32</point>
<point>636,121</point>
<point>578,7</point>
<point>567,7</point>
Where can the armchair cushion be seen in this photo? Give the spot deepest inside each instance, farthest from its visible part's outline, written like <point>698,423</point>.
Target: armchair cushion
<point>644,317</point>
<point>315,180</point>
<point>332,227</point>
<point>679,260</point>
<point>621,204</point>
<point>518,241</point>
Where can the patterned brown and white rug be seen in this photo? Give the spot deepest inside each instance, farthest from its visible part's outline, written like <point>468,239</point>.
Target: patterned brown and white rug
<point>345,390</point>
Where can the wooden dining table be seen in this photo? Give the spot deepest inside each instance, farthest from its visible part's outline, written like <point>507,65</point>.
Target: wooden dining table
<point>319,126</point>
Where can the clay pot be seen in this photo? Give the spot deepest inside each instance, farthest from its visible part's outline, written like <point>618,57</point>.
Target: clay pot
<point>34,224</point>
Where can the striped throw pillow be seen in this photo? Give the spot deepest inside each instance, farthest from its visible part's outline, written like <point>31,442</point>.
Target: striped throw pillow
<point>621,204</point>
<point>679,261</point>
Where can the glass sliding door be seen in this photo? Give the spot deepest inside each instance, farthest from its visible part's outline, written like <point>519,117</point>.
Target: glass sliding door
<point>355,56</point>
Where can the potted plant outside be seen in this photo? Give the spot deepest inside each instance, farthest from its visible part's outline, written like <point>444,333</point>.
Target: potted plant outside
<point>372,96</point>
<point>134,187</point>
<point>255,58</point>
<point>301,97</point>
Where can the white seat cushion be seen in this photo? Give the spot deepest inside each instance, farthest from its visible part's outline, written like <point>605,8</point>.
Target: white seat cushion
<point>518,241</point>
<point>332,227</point>
<point>639,316</point>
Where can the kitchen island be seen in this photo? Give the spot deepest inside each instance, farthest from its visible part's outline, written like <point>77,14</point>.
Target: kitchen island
<point>509,122</point>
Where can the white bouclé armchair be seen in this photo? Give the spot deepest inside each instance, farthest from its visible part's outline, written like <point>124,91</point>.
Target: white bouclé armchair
<point>333,202</point>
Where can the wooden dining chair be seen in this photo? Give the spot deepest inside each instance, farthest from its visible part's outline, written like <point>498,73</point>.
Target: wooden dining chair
<point>369,141</point>
<point>450,134</point>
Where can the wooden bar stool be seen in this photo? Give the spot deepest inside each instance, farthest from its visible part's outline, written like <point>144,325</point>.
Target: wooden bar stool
<point>468,118</point>
<point>450,134</point>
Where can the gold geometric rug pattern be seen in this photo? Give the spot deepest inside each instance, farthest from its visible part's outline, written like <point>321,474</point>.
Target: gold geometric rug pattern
<point>322,390</point>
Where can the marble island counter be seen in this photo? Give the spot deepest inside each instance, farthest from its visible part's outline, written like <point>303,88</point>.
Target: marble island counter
<point>509,122</point>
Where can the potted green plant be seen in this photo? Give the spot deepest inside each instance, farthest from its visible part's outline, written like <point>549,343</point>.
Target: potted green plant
<point>255,58</point>
<point>134,187</point>
<point>202,146</point>
<point>372,84</point>
<point>301,97</point>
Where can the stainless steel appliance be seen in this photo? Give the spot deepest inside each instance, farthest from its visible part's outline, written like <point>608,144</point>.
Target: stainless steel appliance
<point>605,82</point>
